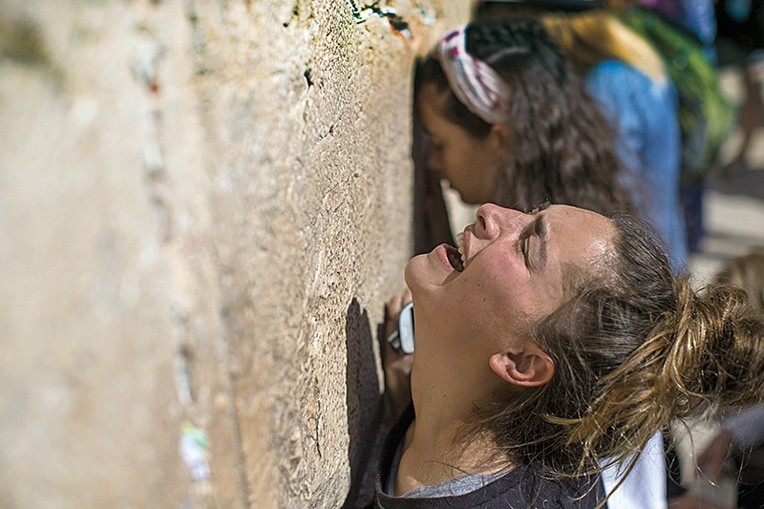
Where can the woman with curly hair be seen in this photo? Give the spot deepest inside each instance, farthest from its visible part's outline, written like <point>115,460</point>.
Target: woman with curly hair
<point>628,79</point>
<point>548,345</point>
<point>510,121</point>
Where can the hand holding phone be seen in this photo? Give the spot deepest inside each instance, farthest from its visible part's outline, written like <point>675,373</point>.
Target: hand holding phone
<point>395,348</point>
<point>402,339</point>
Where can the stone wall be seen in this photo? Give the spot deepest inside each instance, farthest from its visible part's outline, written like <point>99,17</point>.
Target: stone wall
<point>203,206</point>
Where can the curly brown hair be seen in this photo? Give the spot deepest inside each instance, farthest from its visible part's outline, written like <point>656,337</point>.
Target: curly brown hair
<point>747,272</point>
<point>634,348</point>
<point>562,149</point>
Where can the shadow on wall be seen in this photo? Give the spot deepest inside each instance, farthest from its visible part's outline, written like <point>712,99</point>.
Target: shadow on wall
<point>363,404</point>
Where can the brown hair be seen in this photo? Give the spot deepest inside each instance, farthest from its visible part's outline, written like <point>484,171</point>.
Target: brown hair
<point>590,37</point>
<point>747,272</point>
<point>634,348</point>
<point>562,149</point>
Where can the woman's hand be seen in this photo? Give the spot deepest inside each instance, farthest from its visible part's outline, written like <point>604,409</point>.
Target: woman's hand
<point>396,365</point>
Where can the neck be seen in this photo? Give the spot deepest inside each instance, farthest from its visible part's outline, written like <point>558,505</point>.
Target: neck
<point>438,447</point>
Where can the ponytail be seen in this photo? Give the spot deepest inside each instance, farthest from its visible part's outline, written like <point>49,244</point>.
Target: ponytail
<point>705,355</point>
<point>717,358</point>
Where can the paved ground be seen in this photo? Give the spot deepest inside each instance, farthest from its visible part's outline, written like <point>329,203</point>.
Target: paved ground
<point>734,223</point>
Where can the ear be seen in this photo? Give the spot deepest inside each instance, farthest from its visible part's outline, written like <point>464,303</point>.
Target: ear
<point>499,138</point>
<point>531,367</point>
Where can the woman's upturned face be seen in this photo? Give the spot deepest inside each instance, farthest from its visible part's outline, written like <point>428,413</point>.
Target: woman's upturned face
<point>465,161</point>
<point>512,275</point>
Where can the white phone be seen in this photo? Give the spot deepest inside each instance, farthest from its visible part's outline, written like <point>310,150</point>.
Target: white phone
<point>403,339</point>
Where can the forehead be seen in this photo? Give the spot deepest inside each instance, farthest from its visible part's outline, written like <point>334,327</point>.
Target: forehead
<point>579,235</point>
<point>431,101</point>
<point>570,214</point>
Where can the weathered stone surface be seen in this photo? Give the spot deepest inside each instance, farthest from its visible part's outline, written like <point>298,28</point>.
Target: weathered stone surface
<point>203,206</point>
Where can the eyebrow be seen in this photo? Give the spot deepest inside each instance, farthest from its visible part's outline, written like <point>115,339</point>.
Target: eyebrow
<point>542,231</point>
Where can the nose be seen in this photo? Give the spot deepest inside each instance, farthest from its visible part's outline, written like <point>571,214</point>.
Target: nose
<point>493,220</point>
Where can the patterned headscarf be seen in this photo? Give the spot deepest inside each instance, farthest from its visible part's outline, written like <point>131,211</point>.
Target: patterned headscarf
<point>474,82</point>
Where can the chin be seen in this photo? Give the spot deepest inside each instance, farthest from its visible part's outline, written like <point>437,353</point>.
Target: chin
<point>417,272</point>
<point>409,274</point>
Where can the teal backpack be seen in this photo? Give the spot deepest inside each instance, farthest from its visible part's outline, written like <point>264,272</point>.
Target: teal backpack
<point>706,117</point>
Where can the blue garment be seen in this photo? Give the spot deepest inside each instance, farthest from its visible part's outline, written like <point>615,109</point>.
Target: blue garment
<point>699,17</point>
<point>644,113</point>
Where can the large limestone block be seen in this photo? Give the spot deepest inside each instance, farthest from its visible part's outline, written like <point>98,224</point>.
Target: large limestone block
<point>203,206</point>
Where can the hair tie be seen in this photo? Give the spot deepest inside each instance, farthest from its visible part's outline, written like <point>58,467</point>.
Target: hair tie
<point>475,83</point>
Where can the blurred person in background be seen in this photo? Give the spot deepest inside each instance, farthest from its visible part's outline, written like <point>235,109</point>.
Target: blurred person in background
<point>646,93</point>
<point>507,120</point>
<point>684,32</point>
<point>639,99</point>
<point>740,42</point>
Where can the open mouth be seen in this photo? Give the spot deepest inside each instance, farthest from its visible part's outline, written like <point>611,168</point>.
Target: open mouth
<point>455,258</point>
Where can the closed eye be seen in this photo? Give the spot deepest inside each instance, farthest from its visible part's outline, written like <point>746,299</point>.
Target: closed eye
<point>525,247</point>
<point>539,229</point>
